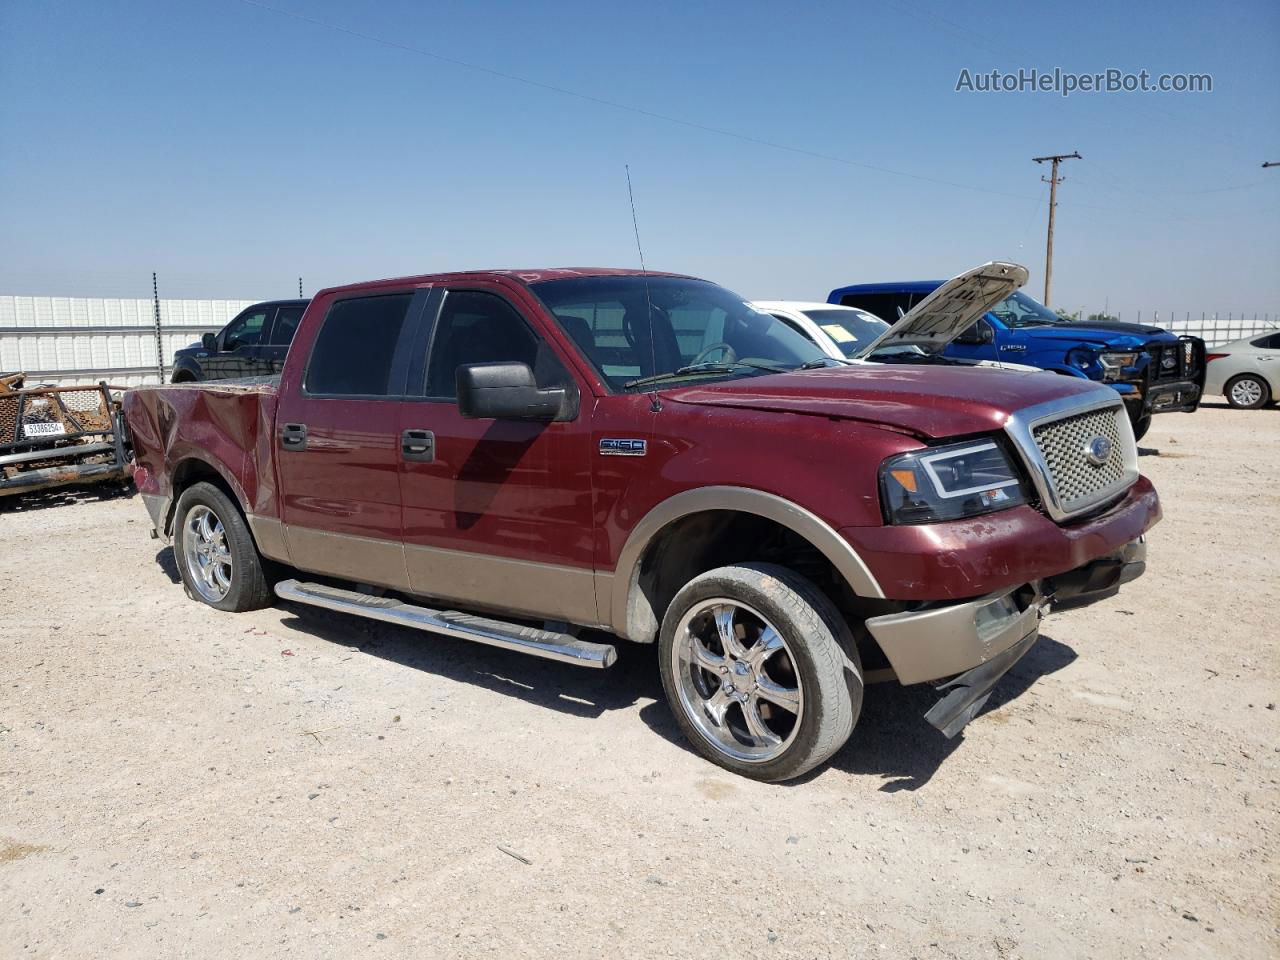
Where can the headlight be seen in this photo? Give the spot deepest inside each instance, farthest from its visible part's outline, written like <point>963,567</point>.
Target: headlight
<point>947,483</point>
<point>1113,363</point>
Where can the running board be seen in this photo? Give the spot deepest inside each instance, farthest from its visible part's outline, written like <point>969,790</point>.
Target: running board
<point>496,633</point>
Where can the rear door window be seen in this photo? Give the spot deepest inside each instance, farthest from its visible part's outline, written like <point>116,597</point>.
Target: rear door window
<point>354,352</point>
<point>286,325</point>
<point>883,305</point>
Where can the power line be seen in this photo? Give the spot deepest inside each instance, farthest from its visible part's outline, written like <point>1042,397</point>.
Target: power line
<point>615,105</point>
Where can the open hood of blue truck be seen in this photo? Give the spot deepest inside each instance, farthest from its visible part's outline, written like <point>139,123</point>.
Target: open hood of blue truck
<point>949,310</point>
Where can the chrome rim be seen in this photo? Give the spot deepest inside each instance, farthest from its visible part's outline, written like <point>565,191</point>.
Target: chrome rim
<point>736,680</point>
<point>1246,392</point>
<point>204,544</point>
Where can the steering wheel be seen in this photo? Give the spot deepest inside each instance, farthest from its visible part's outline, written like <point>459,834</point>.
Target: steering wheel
<point>730,354</point>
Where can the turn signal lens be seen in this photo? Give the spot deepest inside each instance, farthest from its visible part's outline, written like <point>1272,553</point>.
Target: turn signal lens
<point>905,477</point>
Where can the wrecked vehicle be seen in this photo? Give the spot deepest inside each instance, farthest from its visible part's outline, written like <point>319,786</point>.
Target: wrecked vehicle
<point>58,436</point>
<point>1153,370</point>
<point>521,458</point>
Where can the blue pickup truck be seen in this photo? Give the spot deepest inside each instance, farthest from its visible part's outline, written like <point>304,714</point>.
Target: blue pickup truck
<point>1152,369</point>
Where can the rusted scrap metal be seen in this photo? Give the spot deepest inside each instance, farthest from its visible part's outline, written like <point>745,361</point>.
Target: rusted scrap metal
<point>55,436</point>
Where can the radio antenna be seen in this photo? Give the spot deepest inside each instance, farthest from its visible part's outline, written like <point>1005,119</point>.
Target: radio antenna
<point>654,403</point>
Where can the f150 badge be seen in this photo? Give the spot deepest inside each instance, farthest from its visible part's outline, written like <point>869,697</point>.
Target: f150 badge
<point>622,448</point>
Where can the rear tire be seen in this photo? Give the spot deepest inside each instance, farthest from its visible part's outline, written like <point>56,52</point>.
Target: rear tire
<point>1247,391</point>
<point>215,552</point>
<point>760,670</point>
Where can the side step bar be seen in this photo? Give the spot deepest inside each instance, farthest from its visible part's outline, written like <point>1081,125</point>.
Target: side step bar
<point>496,633</point>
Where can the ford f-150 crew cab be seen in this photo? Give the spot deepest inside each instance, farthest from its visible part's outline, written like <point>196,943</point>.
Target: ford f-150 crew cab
<point>527,457</point>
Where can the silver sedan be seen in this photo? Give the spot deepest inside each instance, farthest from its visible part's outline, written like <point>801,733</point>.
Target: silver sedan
<point>1246,372</point>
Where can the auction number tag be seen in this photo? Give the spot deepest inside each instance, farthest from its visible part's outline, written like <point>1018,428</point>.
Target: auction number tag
<point>43,429</point>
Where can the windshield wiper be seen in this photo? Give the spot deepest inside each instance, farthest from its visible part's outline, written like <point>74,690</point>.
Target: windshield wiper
<point>817,362</point>
<point>696,368</point>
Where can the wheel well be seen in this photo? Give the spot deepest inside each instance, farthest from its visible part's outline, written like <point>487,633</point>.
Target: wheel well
<point>702,541</point>
<point>1252,374</point>
<point>193,471</point>
<point>182,376</point>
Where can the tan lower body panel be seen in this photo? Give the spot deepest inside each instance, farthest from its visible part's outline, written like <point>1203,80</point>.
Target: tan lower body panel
<point>518,587</point>
<point>541,590</point>
<point>362,559</point>
<point>269,534</point>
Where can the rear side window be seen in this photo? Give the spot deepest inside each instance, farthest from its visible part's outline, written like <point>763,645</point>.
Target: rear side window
<point>286,325</point>
<point>883,305</point>
<point>354,350</point>
<point>1271,342</point>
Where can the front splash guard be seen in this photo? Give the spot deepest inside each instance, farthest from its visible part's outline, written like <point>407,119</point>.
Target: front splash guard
<point>970,690</point>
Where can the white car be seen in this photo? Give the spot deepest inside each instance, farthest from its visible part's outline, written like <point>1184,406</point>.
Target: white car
<point>1246,372</point>
<point>850,334</point>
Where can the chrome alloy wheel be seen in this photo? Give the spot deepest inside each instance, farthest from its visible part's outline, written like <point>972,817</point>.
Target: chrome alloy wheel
<point>736,680</point>
<point>1247,392</point>
<point>204,544</point>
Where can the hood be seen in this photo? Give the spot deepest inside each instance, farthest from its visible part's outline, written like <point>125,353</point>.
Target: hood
<point>1114,326</point>
<point>947,312</point>
<point>1108,333</point>
<point>928,401</point>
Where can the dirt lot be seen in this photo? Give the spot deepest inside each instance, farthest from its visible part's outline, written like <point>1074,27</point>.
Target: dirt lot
<point>181,782</point>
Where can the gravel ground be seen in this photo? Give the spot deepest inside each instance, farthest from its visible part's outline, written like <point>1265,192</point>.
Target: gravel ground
<point>181,782</point>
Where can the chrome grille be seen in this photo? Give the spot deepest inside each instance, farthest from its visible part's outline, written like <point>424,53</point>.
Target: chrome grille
<point>1078,482</point>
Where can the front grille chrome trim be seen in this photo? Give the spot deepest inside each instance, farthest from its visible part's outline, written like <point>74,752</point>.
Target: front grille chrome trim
<point>1021,429</point>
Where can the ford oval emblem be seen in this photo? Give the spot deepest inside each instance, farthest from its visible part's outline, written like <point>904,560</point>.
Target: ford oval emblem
<point>1098,451</point>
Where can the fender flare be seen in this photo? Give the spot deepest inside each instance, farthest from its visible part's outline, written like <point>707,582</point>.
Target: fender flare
<point>199,457</point>
<point>791,515</point>
<point>186,365</point>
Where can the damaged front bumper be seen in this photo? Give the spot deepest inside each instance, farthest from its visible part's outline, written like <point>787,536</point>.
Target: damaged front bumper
<point>965,648</point>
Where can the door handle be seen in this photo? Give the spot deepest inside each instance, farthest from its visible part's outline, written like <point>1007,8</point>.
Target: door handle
<point>293,436</point>
<point>419,445</point>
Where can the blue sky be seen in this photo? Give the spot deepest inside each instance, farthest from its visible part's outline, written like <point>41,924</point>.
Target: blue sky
<point>232,148</point>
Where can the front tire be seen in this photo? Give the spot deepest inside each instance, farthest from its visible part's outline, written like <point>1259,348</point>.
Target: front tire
<point>1141,425</point>
<point>216,555</point>
<point>1247,392</point>
<point>760,670</point>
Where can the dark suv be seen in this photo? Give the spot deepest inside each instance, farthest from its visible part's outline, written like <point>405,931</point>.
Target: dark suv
<point>251,345</point>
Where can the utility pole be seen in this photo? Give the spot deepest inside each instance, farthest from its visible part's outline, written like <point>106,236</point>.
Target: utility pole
<point>1053,182</point>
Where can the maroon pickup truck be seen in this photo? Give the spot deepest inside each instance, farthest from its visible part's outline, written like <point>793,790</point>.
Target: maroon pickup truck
<point>528,457</point>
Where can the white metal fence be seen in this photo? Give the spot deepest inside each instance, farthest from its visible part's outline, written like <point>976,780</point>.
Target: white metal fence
<point>72,340</point>
<point>1213,328</point>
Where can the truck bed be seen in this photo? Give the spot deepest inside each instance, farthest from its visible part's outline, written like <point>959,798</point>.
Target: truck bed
<point>224,427</point>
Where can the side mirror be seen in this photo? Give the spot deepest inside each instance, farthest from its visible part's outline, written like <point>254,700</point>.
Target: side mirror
<point>507,391</point>
<point>978,332</point>
<point>210,342</point>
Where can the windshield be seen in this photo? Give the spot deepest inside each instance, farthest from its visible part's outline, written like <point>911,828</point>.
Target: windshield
<point>1019,310</point>
<point>689,323</point>
<point>852,330</point>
